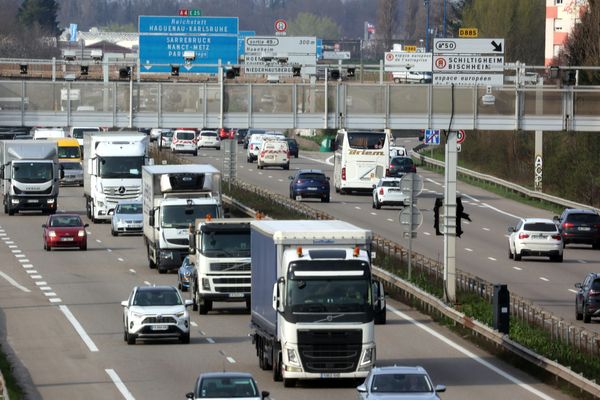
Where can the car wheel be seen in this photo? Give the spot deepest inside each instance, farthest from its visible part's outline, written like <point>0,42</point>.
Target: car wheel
<point>194,298</point>
<point>517,256</point>
<point>162,270</point>
<point>510,254</point>
<point>558,258</point>
<point>248,306</point>
<point>113,233</point>
<point>325,200</point>
<point>295,155</point>
<point>578,315</point>
<point>564,244</point>
<point>249,160</point>
<point>179,286</point>
<point>377,203</point>
<point>131,338</point>
<point>596,245</point>
<point>124,334</point>
<point>286,167</point>
<point>289,382</point>
<point>586,317</point>
<point>185,338</point>
<point>184,288</point>
<point>84,247</point>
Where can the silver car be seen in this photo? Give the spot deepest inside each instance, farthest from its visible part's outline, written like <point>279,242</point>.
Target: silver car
<point>127,218</point>
<point>399,383</point>
<point>73,173</point>
<point>226,385</point>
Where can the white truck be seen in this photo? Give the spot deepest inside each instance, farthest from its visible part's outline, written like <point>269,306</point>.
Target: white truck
<point>112,170</point>
<point>221,256</point>
<point>313,303</point>
<point>30,175</point>
<point>174,196</point>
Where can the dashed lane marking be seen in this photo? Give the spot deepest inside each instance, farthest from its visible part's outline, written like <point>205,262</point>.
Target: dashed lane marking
<point>426,233</point>
<point>45,288</point>
<point>109,250</point>
<point>146,283</point>
<point>468,249</point>
<point>98,240</point>
<point>14,246</point>
<point>36,276</point>
<point>544,279</point>
<point>23,260</point>
<point>572,291</point>
<point>486,229</point>
<point>357,207</point>
<point>210,340</point>
<point>491,259</point>
<point>31,271</point>
<point>518,268</point>
<point>192,323</point>
<point>49,294</point>
<point>56,300</point>
<point>41,283</point>
<point>391,220</point>
<point>26,266</point>
<point>582,261</point>
<point>132,270</point>
<point>120,259</point>
<point>231,360</point>
<point>20,255</point>
<point>373,213</point>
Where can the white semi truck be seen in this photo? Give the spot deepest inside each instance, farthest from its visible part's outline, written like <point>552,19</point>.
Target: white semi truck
<point>174,196</point>
<point>112,170</point>
<point>313,301</point>
<point>221,255</point>
<point>30,175</point>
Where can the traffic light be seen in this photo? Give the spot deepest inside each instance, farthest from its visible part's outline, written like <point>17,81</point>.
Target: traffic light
<point>125,72</point>
<point>351,71</point>
<point>436,216</point>
<point>460,215</point>
<point>84,69</point>
<point>23,69</point>
<point>174,70</point>
<point>296,70</point>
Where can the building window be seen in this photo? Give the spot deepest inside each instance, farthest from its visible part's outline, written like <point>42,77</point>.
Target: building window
<point>558,24</point>
<point>558,2</point>
<point>556,50</point>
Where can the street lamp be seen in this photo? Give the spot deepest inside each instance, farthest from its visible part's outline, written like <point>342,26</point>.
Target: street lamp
<point>427,4</point>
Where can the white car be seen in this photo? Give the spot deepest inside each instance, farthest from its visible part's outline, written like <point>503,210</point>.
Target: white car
<point>273,153</point>
<point>253,149</point>
<point>388,192</point>
<point>184,141</point>
<point>535,237</point>
<point>156,312</point>
<point>155,133</point>
<point>209,139</point>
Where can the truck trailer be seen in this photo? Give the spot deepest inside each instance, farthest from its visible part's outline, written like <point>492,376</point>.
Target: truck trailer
<point>174,196</point>
<point>30,175</point>
<point>112,170</point>
<point>313,302</point>
<point>221,256</point>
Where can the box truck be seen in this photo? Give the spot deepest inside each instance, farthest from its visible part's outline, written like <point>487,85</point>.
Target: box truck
<point>313,302</point>
<point>174,196</point>
<point>30,175</point>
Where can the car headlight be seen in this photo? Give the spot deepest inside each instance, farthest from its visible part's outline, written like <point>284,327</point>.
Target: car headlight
<point>293,357</point>
<point>367,357</point>
<point>136,315</point>
<point>180,314</point>
<point>81,233</point>
<point>187,274</point>
<point>51,233</point>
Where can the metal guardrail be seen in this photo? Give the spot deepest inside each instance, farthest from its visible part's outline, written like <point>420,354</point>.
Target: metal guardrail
<point>520,308</point>
<point>506,184</point>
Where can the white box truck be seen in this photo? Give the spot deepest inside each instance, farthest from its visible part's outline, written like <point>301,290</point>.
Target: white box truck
<point>30,175</point>
<point>112,170</point>
<point>174,196</point>
<point>313,303</point>
<point>220,251</point>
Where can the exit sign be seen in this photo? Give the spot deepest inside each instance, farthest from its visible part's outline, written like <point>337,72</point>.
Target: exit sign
<point>468,32</point>
<point>190,13</point>
<point>410,49</point>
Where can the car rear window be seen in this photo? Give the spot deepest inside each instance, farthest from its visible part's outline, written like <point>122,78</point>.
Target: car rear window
<point>402,161</point>
<point>540,227</point>
<point>213,134</point>
<point>583,218</point>
<point>391,183</point>
<point>186,135</point>
<point>313,176</point>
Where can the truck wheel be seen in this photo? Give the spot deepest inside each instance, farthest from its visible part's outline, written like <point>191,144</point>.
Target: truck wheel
<point>248,304</point>
<point>204,307</point>
<point>276,365</point>
<point>88,209</point>
<point>11,211</point>
<point>151,264</point>
<point>288,382</point>
<point>5,209</point>
<point>194,298</point>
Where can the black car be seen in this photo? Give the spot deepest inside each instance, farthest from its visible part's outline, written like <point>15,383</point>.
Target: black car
<point>399,166</point>
<point>240,135</point>
<point>310,183</point>
<point>293,147</point>
<point>579,226</point>
<point>250,132</point>
<point>587,299</point>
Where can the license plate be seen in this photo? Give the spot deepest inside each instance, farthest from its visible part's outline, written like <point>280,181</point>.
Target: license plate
<point>312,188</point>
<point>393,190</point>
<point>330,375</point>
<point>159,327</point>
<point>538,236</point>
<point>32,201</point>
<point>236,294</point>
<point>66,239</point>
<point>584,228</point>
<point>133,226</point>
<point>269,157</point>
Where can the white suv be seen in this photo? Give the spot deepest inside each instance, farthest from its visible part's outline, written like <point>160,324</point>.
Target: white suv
<point>156,312</point>
<point>535,237</point>
<point>184,141</point>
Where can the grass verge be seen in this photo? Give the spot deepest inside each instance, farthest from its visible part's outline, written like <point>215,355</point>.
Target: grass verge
<point>14,390</point>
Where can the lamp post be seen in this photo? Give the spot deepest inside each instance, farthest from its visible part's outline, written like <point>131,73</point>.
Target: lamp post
<point>445,19</point>
<point>427,4</point>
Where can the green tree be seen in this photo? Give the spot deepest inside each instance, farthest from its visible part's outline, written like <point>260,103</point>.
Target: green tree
<point>42,13</point>
<point>307,24</point>
<point>520,22</point>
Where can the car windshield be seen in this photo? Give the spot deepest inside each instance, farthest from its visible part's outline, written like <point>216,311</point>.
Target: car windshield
<point>181,216</point>
<point>65,221</point>
<point>312,176</point>
<point>30,172</point>
<point>71,166</point>
<point>69,152</point>
<point>366,140</point>
<point>186,135</point>
<point>156,297</point>
<point>232,244</point>
<point>540,227</point>
<point>226,387</point>
<point>400,383</point>
<point>129,209</point>
<point>390,183</point>
<point>583,218</point>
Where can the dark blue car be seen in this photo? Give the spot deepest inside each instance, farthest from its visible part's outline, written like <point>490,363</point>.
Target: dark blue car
<point>310,184</point>
<point>184,274</point>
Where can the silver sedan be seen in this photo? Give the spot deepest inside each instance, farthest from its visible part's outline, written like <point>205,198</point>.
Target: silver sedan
<point>127,218</point>
<point>399,383</point>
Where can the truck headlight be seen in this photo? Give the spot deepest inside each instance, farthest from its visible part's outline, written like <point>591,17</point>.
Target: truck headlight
<point>368,356</point>
<point>205,283</point>
<point>293,357</point>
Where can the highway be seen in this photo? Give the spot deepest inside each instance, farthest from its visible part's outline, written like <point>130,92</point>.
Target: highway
<point>61,316</point>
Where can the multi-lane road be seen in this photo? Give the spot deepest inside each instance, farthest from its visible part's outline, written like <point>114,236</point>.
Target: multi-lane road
<point>61,317</point>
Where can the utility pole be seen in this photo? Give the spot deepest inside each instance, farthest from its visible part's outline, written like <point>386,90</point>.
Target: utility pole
<point>427,6</point>
<point>450,219</point>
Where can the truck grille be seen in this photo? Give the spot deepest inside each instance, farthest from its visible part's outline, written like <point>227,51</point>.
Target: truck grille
<point>330,350</point>
<point>179,242</point>
<point>159,320</point>
<point>33,192</point>
<point>230,267</point>
<point>116,193</point>
<point>232,281</point>
<point>232,289</point>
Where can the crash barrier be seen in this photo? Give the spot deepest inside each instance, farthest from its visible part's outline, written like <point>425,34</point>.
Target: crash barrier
<point>520,308</point>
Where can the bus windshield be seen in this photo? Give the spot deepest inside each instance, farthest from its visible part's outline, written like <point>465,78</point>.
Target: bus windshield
<point>69,152</point>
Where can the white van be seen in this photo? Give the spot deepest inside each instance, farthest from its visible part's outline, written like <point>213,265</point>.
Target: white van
<point>48,133</point>
<point>77,132</point>
<point>273,153</point>
<point>184,141</point>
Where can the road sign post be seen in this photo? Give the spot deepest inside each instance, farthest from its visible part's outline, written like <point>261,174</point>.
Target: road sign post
<point>410,217</point>
<point>450,219</point>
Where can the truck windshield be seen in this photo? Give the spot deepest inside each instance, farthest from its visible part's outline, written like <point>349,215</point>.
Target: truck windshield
<point>328,294</point>
<point>181,216</point>
<point>69,152</point>
<point>120,167</point>
<point>30,172</point>
<point>226,244</point>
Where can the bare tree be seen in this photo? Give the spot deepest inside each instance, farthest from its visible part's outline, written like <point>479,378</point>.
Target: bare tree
<point>386,22</point>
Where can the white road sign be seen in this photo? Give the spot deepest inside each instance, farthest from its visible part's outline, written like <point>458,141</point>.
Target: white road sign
<point>399,61</point>
<point>275,55</point>
<point>468,63</point>
<point>336,55</point>
<point>470,46</point>
<point>469,79</point>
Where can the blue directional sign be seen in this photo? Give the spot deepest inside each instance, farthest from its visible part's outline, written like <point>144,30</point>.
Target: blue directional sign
<point>241,38</point>
<point>319,49</point>
<point>163,41</point>
<point>432,136</point>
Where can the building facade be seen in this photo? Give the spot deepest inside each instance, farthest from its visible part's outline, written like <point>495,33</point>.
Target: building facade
<point>561,17</point>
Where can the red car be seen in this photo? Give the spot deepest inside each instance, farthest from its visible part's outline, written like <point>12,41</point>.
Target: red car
<point>225,133</point>
<point>65,230</point>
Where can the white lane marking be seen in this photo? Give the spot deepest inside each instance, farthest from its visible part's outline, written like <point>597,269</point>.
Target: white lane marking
<point>373,213</point>
<point>466,222</point>
<point>432,181</point>
<point>20,255</point>
<point>326,162</point>
<point>2,234</point>
<point>98,240</point>
<point>468,249</point>
<point>9,241</point>
<point>88,232</point>
<point>6,238</point>
<point>506,236</point>
<point>147,283</point>
<point>426,233</point>
<point>192,323</point>
<point>119,384</point>
<point>572,291</point>
<point>132,270</point>
<point>582,261</point>
<point>14,246</point>
<point>501,212</point>
<point>260,173</point>
<point>270,177</point>
<point>231,360</point>
<point>280,180</point>
<point>36,276</point>
<point>391,220</point>
<point>202,333</point>
<point>109,250</point>
<point>56,300</point>
<point>49,294</point>
<point>518,268</point>
<point>41,283</point>
<point>491,259</point>
<point>14,283</point>
<point>469,197</point>
<point>544,279</point>
<point>210,340</point>
<point>31,271</point>
<point>486,229</point>
<point>23,260</point>
<point>78,328</point>
<point>26,266</point>
<point>469,354</point>
<point>357,207</point>
<point>45,288</point>
<point>120,259</point>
